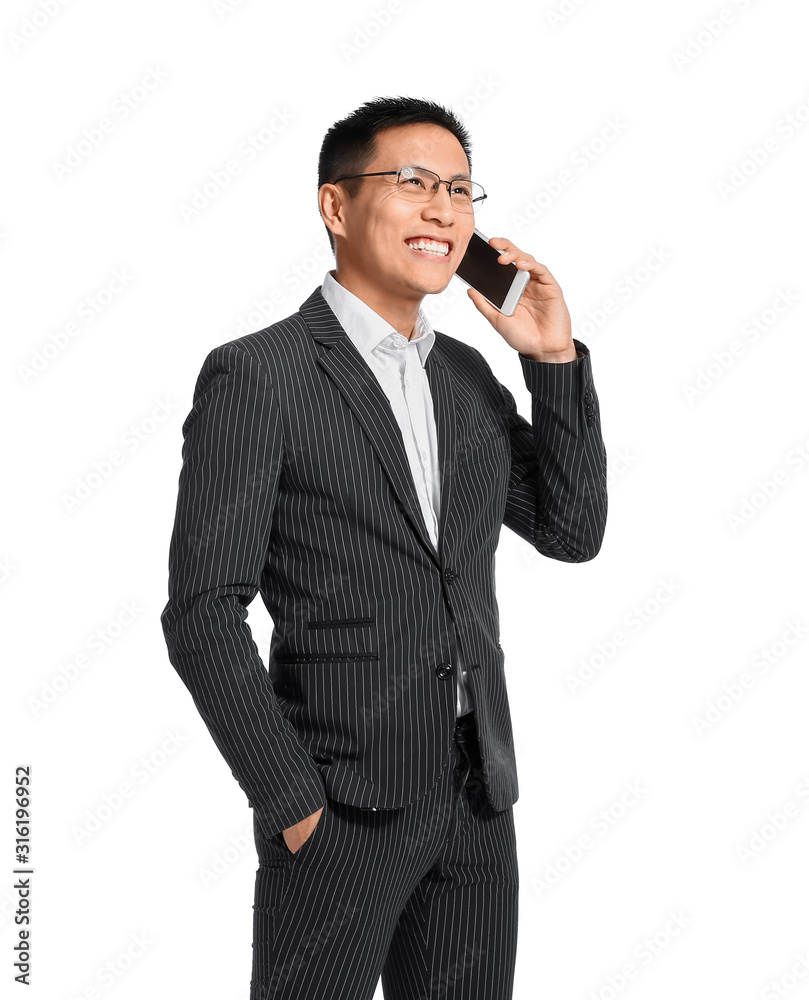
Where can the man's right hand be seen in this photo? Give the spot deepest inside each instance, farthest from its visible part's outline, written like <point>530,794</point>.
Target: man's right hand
<point>296,836</point>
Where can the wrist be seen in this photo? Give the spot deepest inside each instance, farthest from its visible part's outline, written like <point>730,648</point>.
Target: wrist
<point>555,357</point>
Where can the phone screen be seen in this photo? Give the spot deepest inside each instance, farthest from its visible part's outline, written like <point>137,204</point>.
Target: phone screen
<point>479,268</point>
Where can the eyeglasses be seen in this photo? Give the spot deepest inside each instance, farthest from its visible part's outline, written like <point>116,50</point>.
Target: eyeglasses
<point>419,184</point>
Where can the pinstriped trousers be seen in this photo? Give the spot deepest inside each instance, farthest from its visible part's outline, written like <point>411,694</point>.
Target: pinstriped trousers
<point>425,896</point>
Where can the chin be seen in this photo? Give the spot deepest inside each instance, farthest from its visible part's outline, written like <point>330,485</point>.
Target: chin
<point>441,286</point>
<point>434,287</point>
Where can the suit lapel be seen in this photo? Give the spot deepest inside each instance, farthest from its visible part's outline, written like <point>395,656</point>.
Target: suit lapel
<point>344,365</point>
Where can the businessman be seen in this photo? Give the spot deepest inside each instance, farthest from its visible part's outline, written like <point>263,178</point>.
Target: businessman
<point>354,467</point>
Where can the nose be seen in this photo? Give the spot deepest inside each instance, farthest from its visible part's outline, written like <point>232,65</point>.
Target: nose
<point>440,206</point>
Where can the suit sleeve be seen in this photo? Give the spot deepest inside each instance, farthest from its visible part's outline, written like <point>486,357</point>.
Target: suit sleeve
<point>232,455</point>
<point>557,492</point>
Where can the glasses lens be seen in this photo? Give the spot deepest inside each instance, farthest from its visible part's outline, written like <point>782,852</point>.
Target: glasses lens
<point>419,184</point>
<point>470,193</point>
<point>416,183</point>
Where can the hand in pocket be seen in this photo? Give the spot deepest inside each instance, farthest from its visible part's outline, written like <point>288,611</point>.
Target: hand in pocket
<point>296,836</point>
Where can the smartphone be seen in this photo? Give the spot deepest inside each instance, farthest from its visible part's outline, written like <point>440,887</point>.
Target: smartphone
<point>500,284</point>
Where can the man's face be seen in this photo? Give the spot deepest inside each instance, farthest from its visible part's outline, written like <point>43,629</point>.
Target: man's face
<point>377,222</point>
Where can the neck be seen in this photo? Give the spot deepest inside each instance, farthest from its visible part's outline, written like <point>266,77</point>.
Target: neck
<point>401,315</point>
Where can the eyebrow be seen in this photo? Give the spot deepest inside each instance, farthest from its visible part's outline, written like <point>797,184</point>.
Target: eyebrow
<point>455,177</point>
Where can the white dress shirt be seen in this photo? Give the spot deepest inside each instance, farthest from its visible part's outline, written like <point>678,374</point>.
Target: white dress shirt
<point>398,364</point>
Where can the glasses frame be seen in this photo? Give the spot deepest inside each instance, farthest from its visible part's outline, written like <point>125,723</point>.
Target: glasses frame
<point>383,173</point>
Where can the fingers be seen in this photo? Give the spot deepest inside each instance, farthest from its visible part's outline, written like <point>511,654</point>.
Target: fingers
<point>523,260</point>
<point>482,305</point>
<point>511,253</point>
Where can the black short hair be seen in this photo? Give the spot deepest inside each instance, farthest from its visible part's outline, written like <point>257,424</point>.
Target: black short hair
<point>350,144</point>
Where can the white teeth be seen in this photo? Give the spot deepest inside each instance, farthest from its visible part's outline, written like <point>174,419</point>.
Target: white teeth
<point>431,246</point>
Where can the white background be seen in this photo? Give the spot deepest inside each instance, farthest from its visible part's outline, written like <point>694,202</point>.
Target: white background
<point>696,193</point>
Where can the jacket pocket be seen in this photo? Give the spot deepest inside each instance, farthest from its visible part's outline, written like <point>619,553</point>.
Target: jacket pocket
<point>324,657</point>
<point>314,837</point>
<point>481,445</point>
<point>338,622</point>
<point>323,640</point>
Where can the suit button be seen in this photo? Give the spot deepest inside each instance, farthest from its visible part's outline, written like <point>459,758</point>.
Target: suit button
<point>450,575</point>
<point>443,670</point>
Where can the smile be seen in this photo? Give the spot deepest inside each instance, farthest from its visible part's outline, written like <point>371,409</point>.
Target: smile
<point>429,248</point>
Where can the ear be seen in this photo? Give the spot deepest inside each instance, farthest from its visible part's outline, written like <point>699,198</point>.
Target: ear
<point>331,201</point>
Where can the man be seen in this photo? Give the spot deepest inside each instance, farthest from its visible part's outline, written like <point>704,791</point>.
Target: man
<point>355,467</point>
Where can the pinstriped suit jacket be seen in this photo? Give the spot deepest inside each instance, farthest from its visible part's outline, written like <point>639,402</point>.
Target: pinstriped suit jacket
<point>295,484</point>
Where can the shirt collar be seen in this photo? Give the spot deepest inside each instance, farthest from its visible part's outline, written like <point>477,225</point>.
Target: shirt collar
<point>366,328</point>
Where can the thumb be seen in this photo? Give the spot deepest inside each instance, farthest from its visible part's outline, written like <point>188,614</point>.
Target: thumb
<point>483,305</point>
